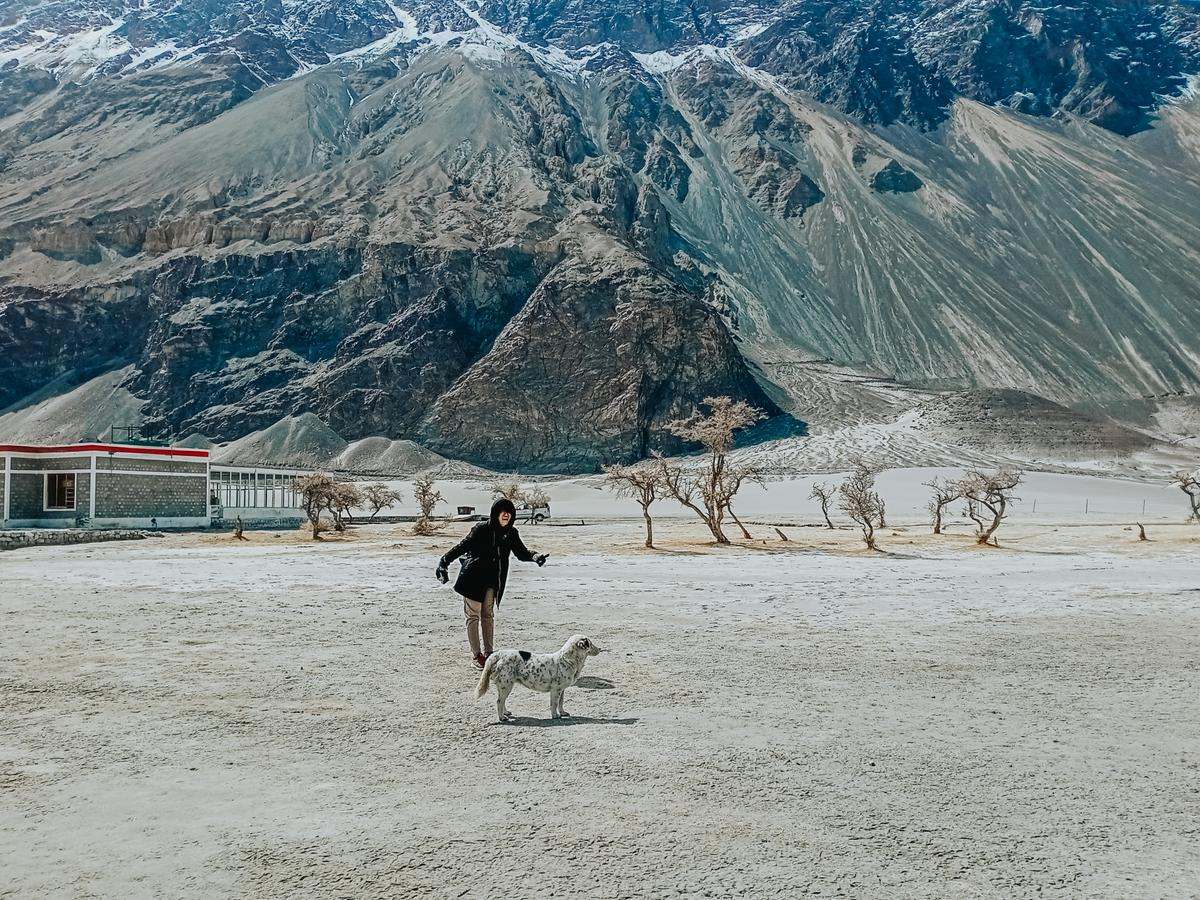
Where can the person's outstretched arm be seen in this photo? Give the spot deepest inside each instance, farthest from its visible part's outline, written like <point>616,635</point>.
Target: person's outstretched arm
<point>521,552</point>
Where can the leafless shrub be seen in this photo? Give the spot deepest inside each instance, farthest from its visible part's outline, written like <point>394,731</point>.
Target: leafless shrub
<point>824,494</point>
<point>238,528</point>
<point>379,496</point>
<point>642,483</point>
<point>316,493</point>
<point>535,496</point>
<point>427,497</point>
<point>944,493</point>
<point>1142,532</point>
<point>342,499</point>
<point>709,491</point>
<point>508,490</point>
<point>1189,483</point>
<point>991,491</point>
<point>860,501</point>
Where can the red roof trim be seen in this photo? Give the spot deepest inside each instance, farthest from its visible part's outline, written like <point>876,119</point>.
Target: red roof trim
<point>107,448</point>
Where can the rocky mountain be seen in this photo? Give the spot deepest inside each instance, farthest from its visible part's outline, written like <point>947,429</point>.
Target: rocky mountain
<point>529,235</point>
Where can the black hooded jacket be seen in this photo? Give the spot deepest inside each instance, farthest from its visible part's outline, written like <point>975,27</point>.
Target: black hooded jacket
<point>485,552</point>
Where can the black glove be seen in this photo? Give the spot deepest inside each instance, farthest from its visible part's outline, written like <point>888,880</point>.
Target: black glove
<point>541,558</point>
<point>442,575</point>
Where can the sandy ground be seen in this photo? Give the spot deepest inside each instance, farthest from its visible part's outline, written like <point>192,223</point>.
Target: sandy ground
<point>197,717</point>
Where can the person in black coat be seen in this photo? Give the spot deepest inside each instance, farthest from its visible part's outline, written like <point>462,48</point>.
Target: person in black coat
<point>484,552</point>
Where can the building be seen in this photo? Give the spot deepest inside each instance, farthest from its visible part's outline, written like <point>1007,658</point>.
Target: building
<point>137,486</point>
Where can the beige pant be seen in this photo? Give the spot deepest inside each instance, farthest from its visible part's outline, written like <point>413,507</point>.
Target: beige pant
<point>481,617</point>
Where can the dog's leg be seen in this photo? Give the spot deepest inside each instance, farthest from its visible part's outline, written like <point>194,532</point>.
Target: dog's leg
<point>503,689</point>
<point>555,699</point>
<point>562,712</point>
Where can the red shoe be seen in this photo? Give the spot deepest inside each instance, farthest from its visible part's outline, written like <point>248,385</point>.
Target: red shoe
<point>480,659</point>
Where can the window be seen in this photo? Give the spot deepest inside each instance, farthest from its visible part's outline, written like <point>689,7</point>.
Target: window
<point>60,490</point>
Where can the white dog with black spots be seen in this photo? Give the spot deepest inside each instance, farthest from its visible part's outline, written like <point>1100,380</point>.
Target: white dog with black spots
<point>545,672</point>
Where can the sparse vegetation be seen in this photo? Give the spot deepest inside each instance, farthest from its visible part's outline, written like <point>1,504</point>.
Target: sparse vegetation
<point>824,494</point>
<point>991,491</point>
<point>861,503</point>
<point>641,482</point>
<point>342,499</point>
<point>509,490</point>
<point>944,493</point>
<point>1189,483</point>
<point>316,492</point>
<point>379,496</point>
<point>709,490</point>
<point>428,497</point>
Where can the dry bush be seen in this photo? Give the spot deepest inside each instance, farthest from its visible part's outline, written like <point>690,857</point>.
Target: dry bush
<point>824,494</point>
<point>508,490</point>
<point>991,491</point>
<point>944,493</point>
<point>316,493</point>
<point>1189,483</point>
<point>641,482</point>
<point>428,497</point>
<point>342,499</point>
<point>860,501</point>
<point>379,496</point>
<point>709,490</point>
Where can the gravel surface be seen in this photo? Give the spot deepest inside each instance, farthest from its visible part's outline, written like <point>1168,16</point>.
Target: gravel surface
<point>197,717</point>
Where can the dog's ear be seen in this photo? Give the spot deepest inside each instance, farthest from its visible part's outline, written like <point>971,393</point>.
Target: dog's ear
<point>583,643</point>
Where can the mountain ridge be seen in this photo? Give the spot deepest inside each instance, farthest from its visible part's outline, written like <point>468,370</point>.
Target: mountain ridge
<point>345,216</point>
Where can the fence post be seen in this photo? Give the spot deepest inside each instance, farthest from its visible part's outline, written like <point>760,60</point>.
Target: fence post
<point>1143,507</point>
<point>1087,502</point>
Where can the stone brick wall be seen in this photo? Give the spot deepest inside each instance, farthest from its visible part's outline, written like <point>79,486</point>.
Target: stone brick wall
<point>29,496</point>
<point>156,464</point>
<point>51,463</point>
<point>57,537</point>
<point>142,496</point>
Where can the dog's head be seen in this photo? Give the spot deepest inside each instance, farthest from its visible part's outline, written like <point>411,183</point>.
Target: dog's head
<point>583,644</point>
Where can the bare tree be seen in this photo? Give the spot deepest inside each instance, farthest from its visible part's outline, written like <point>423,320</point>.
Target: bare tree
<point>508,490</point>
<point>944,493</point>
<point>824,494</point>
<point>342,499</point>
<point>971,511</point>
<point>1189,483</point>
<point>1142,532</point>
<point>860,501</point>
<point>991,491</point>
<point>709,490</point>
<point>427,497</point>
<point>379,496</point>
<point>882,513</point>
<point>735,477</point>
<point>316,491</point>
<point>642,483</point>
<point>535,496</point>
<point>238,529</point>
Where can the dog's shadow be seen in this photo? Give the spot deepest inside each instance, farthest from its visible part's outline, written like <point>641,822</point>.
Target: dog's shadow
<point>531,722</point>
<point>594,684</point>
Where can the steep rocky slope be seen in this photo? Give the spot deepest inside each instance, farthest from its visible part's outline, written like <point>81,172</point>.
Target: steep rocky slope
<point>529,235</point>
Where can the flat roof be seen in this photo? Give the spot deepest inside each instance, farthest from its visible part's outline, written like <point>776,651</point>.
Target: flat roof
<point>138,449</point>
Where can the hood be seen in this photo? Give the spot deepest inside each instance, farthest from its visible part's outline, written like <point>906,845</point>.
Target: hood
<point>503,505</point>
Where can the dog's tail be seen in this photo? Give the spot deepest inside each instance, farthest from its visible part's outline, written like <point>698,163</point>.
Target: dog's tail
<point>485,680</point>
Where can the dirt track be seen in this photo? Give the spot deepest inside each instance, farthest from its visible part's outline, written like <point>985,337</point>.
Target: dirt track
<point>191,718</point>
